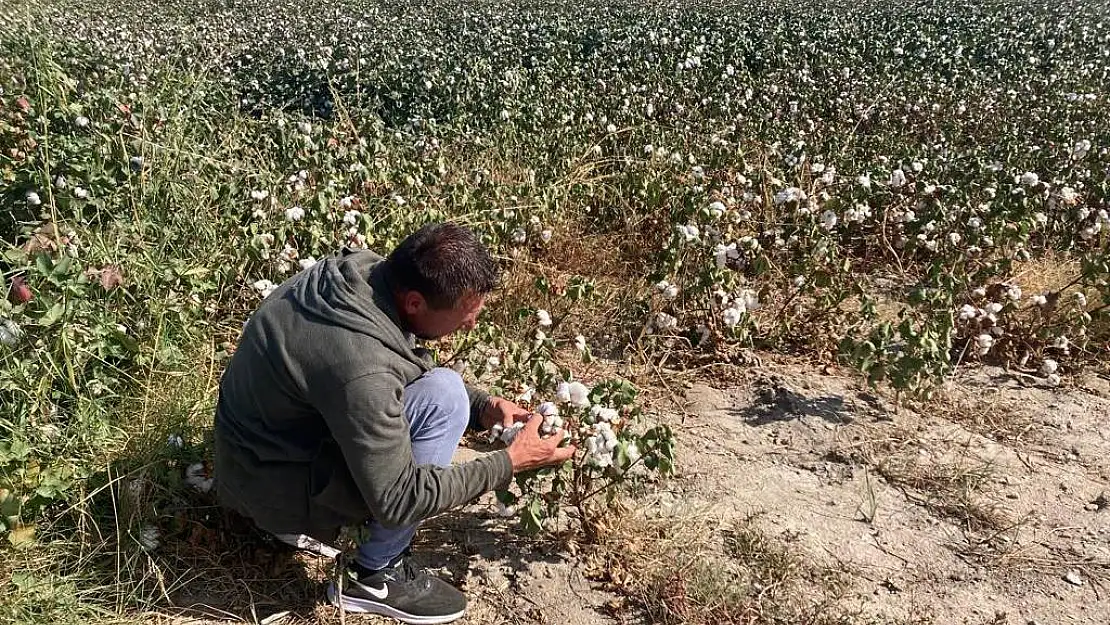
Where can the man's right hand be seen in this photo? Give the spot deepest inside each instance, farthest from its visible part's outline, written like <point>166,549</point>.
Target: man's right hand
<point>528,451</point>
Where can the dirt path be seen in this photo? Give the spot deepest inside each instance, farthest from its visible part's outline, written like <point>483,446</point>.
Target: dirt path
<point>986,507</point>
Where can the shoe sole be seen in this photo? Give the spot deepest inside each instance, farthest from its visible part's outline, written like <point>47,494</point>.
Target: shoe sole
<point>366,606</point>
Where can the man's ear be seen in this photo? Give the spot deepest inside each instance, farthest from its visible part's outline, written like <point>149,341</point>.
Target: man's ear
<point>413,302</point>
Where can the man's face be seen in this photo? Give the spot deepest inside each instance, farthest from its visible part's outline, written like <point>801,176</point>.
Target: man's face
<point>430,324</point>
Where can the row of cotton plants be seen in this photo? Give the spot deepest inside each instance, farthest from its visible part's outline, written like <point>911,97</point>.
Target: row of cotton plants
<point>907,195</point>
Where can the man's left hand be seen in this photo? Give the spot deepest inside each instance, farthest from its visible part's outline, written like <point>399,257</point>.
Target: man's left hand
<point>503,411</point>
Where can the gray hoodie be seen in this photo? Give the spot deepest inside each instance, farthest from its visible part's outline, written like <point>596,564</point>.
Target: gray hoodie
<point>310,430</point>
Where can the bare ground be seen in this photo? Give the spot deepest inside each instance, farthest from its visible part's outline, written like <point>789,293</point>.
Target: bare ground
<point>984,505</point>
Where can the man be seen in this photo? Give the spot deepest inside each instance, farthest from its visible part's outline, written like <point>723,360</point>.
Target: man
<point>330,415</point>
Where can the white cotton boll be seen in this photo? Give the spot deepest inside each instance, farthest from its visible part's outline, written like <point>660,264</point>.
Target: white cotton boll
<point>954,238</point>
<point>1080,149</point>
<point>717,209</point>
<point>174,441</point>
<point>670,291</point>
<point>547,409</point>
<point>10,332</point>
<point>80,193</point>
<point>495,432</point>
<point>799,281</point>
<point>1029,179</point>
<point>307,262</point>
<point>732,316</point>
<point>296,213</point>
<point>1040,300</point>
<point>984,342</point>
<point>32,198</point>
<point>352,218</point>
<point>149,538</point>
<point>505,511</point>
<point>519,236</point>
<point>979,292</point>
<point>1053,379</point>
<point>1049,366</point>
<point>994,308</point>
<point>1040,218</point>
<point>1061,343</point>
<point>580,343</point>
<point>346,202</point>
<point>864,181</point>
<point>828,220</point>
<point>525,396</point>
<point>562,393</point>
<point>917,166</point>
<point>81,121</point>
<point>196,478</point>
<point>897,178</point>
<point>974,223</point>
<point>579,394</point>
<point>789,194</point>
<point>1081,299</point>
<point>663,322</point>
<point>509,433</point>
<point>545,235</point>
<point>968,312</point>
<point>305,128</point>
<point>265,287</point>
<point>1014,292</point>
<point>259,195</point>
<point>543,318</point>
<point>592,445</point>
<point>603,414</point>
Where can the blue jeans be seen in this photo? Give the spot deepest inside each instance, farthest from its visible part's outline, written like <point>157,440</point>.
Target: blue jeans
<point>438,410</point>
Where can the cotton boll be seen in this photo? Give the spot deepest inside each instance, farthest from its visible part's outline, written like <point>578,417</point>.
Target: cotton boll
<point>968,312</point>
<point>149,538</point>
<point>547,409</point>
<point>1040,300</point>
<point>579,394</point>
<point>197,478</point>
<point>580,343</point>
<point>1049,366</point>
<point>543,318</point>
<point>562,393</point>
<point>984,343</point>
<point>294,214</point>
<point>1029,179</point>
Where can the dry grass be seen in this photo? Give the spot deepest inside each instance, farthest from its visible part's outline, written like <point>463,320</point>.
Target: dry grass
<point>691,570</point>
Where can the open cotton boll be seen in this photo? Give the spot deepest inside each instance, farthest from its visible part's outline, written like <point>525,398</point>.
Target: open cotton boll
<point>562,393</point>
<point>547,409</point>
<point>505,511</point>
<point>196,478</point>
<point>1049,366</point>
<point>543,317</point>
<point>579,394</point>
<point>604,414</point>
<point>149,538</point>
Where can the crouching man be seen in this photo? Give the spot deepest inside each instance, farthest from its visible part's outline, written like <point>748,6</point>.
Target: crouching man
<point>330,415</point>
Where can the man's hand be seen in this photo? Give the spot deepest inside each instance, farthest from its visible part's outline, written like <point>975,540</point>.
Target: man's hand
<point>504,412</point>
<point>528,451</point>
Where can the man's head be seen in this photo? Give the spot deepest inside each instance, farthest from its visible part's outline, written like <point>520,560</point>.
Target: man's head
<point>440,277</point>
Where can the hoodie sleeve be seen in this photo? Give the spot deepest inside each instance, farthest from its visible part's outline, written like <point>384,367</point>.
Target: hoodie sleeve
<point>366,417</point>
<point>479,400</point>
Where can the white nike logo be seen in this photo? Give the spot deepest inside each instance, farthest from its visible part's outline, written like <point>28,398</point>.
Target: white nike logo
<point>380,593</point>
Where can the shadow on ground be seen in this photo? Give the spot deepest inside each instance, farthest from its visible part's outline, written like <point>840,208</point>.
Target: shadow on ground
<point>776,403</point>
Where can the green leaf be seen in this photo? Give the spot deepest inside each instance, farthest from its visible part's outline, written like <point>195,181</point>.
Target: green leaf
<point>531,517</point>
<point>44,265</point>
<point>51,316</point>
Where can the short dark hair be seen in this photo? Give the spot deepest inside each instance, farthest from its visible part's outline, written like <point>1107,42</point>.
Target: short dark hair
<point>442,262</point>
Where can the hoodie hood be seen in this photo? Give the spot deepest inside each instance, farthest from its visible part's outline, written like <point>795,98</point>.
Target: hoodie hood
<point>350,290</point>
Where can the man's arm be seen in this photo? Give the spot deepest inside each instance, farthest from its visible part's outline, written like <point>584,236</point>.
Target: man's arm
<point>366,417</point>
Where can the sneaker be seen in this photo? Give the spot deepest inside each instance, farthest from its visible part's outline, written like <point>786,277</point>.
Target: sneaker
<point>399,591</point>
<point>309,544</point>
